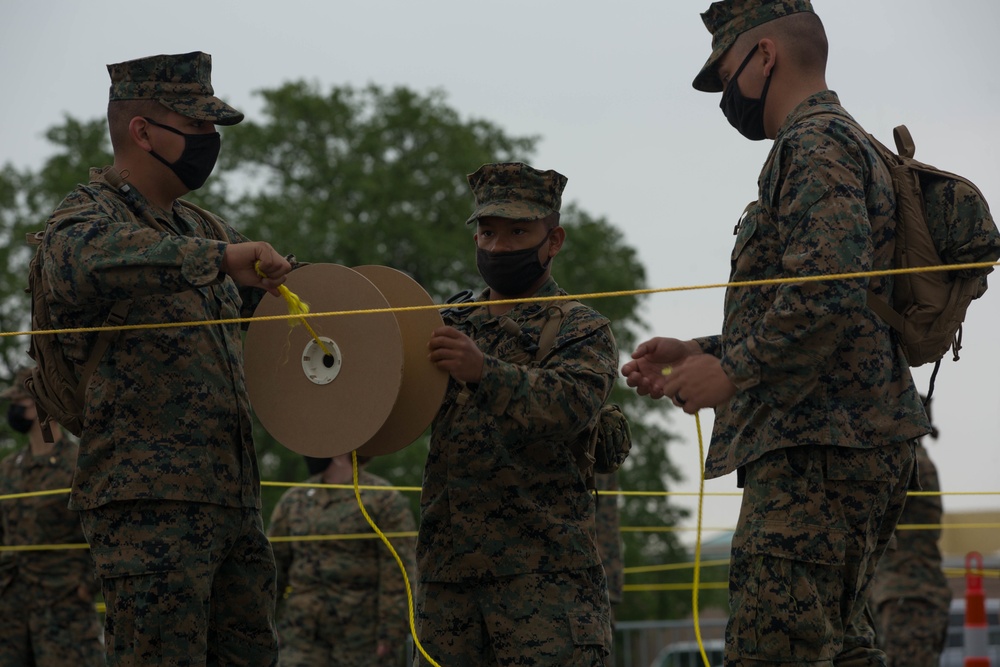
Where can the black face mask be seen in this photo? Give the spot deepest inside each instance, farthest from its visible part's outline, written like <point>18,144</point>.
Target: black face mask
<point>317,465</point>
<point>197,160</point>
<point>744,113</point>
<point>17,420</point>
<point>511,273</point>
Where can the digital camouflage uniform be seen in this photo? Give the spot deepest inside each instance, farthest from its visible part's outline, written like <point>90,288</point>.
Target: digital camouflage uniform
<point>346,595</point>
<point>821,425</point>
<point>609,539</point>
<point>167,480</point>
<point>506,516</point>
<point>910,595</point>
<point>45,621</point>
<point>507,556</point>
<point>609,542</point>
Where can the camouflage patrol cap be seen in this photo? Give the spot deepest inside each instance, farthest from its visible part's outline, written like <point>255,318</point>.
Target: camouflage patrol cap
<point>16,391</point>
<point>515,191</point>
<point>181,83</point>
<point>729,19</point>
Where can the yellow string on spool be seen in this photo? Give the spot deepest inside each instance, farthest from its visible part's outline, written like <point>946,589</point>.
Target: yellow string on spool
<point>296,306</point>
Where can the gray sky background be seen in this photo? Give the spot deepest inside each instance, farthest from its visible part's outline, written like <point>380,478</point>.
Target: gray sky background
<point>607,86</point>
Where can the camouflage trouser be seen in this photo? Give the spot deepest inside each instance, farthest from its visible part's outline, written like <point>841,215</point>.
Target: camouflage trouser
<point>813,524</point>
<point>184,583</point>
<point>912,632</point>
<point>316,630</point>
<point>46,631</point>
<point>531,620</point>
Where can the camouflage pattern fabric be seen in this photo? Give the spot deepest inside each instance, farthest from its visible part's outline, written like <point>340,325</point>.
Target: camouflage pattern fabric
<point>817,375</point>
<point>46,622</point>
<point>166,418</point>
<point>550,619</point>
<point>728,19</point>
<point>166,413</point>
<point>184,583</point>
<point>344,596</point>
<point>910,595</point>
<point>515,191</point>
<point>812,526</point>
<point>181,83</point>
<point>502,493</point>
<point>813,365</point>
<point>609,539</point>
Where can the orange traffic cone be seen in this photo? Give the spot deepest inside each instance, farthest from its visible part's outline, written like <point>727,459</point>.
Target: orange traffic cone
<point>976,628</point>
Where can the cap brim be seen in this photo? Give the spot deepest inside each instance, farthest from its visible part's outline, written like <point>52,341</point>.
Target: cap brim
<point>204,108</point>
<point>510,210</point>
<point>708,80</point>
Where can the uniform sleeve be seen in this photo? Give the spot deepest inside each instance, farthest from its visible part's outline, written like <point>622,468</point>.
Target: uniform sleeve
<point>393,606</point>
<point>710,345</point>
<point>820,210</point>
<point>91,256</point>
<point>557,399</point>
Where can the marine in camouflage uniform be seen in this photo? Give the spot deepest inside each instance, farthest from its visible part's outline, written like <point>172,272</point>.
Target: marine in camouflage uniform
<point>815,405</point>
<point>342,602</point>
<point>911,596</point>
<point>506,553</point>
<point>167,482</point>
<point>46,596</point>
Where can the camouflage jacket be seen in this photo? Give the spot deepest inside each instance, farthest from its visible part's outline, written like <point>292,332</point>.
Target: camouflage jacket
<point>45,519</point>
<point>166,414</point>
<point>811,363</point>
<point>502,493</point>
<point>356,579</point>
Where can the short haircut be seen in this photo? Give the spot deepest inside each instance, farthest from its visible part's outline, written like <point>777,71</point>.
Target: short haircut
<point>121,112</point>
<point>802,33</point>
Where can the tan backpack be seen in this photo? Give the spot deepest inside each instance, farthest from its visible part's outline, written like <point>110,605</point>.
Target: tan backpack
<point>941,219</point>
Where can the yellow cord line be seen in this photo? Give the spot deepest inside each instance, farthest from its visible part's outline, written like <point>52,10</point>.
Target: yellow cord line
<point>417,489</point>
<point>536,299</point>
<point>697,545</point>
<point>399,561</point>
<point>296,307</point>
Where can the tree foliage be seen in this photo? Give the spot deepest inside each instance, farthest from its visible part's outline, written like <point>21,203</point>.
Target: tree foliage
<point>376,176</point>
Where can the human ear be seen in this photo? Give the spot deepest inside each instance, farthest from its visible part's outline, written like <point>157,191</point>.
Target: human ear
<point>138,130</point>
<point>769,52</point>
<point>556,239</point>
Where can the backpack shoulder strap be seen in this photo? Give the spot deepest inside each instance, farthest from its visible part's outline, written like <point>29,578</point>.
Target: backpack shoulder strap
<point>553,321</point>
<point>213,220</point>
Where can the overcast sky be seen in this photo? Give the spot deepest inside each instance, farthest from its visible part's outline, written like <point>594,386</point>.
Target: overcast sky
<point>607,87</point>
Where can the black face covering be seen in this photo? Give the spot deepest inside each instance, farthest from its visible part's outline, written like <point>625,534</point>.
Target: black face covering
<point>511,273</point>
<point>744,113</point>
<point>17,420</point>
<point>197,160</point>
<point>316,465</point>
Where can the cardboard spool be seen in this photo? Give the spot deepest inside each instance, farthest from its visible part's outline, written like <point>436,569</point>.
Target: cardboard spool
<point>376,392</point>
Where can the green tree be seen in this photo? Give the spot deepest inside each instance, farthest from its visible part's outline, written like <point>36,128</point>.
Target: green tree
<point>369,175</point>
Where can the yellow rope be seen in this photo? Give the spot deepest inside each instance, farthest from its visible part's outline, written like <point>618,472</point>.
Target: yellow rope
<point>535,299</point>
<point>296,307</point>
<point>697,544</point>
<point>399,561</point>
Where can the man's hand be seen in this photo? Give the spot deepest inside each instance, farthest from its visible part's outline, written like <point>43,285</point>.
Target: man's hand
<point>645,371</point>
<point>697,381</point>
<point>239,259</point>
<point>454,352</point>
